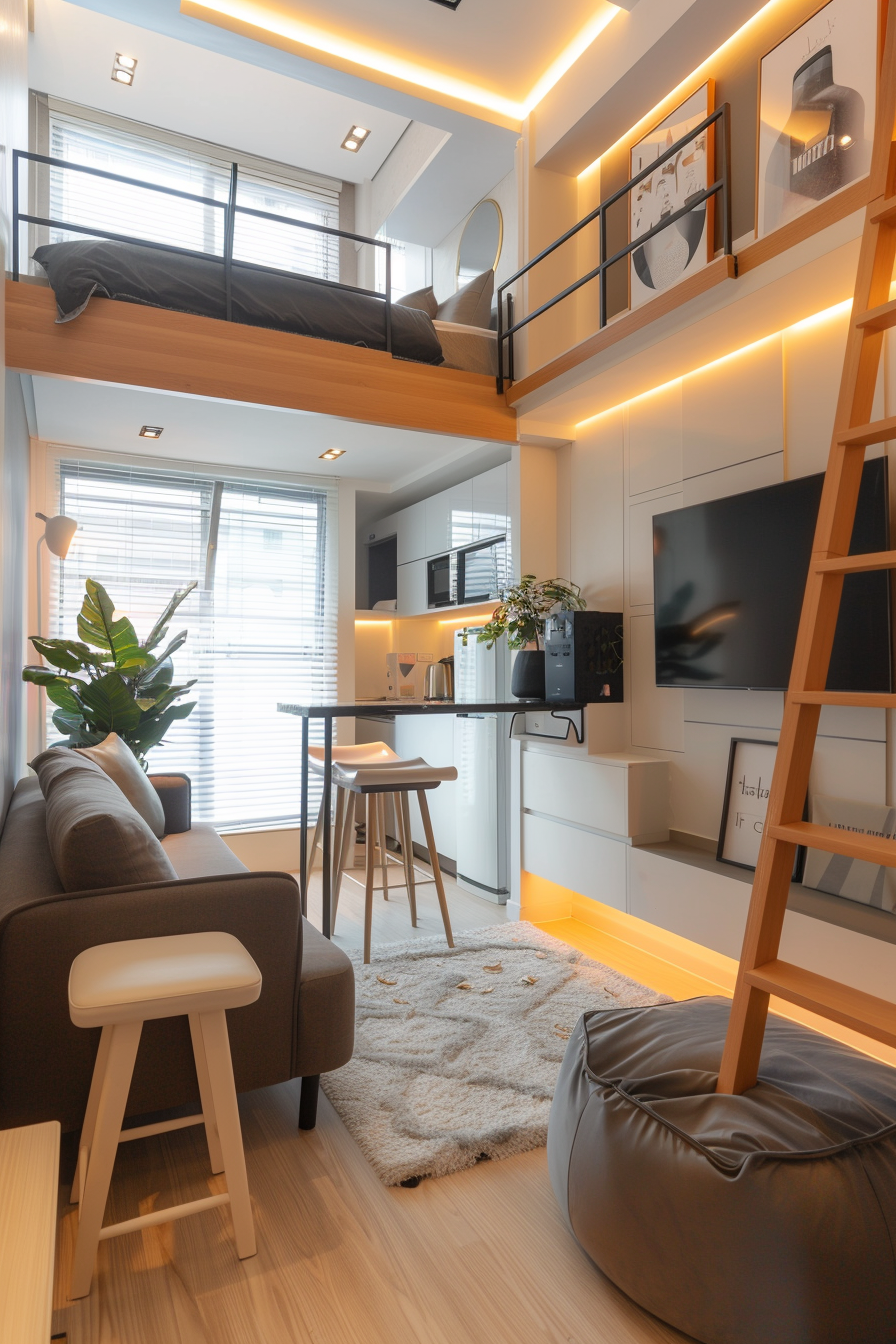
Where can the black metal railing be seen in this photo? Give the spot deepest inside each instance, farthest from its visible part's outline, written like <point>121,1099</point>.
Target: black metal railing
<point>225,257</point>
<point>720,188</point>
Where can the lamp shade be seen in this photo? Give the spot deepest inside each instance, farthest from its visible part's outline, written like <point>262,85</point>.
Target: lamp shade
<point>58,533</point>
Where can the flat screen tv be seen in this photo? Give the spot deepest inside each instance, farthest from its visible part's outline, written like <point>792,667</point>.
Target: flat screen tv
<point>728,589</point>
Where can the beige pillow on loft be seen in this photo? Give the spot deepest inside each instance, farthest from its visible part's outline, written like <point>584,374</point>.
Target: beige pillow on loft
<point>117,760</point>
<point>424,299</point>
<point>472,305</point>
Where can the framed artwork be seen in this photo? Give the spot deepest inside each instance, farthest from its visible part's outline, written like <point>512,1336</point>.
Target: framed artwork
<point>817,93</point>
<point>751,763</point>
<point>839,875</point>
<point>685,247</point>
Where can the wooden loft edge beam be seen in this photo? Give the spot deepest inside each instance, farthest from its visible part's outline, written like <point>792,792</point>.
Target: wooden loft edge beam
<point>822,216</point>
<point>116,342</point>
<point>723,268</point>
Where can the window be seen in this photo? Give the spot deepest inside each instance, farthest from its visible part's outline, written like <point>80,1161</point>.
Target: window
<point>262,622</point>
<point>79,198</point>
<point>411,267</point>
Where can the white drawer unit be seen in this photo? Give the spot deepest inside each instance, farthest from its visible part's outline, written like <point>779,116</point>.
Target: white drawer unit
<point>620,795</point>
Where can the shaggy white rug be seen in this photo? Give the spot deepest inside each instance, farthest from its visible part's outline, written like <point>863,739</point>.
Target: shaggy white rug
<point>457,1052</point>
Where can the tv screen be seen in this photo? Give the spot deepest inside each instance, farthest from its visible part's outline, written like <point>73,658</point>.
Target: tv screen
<point>728,589</point>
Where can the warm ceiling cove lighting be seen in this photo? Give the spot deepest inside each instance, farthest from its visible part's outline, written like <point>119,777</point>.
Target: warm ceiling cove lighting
<point>151,432</point>
<point>123,68</point>
<point>355,139</point>
<point>332,454</point>
<point>256,15</point>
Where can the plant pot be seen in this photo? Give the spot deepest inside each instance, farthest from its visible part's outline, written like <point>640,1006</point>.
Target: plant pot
<point>527,677</point>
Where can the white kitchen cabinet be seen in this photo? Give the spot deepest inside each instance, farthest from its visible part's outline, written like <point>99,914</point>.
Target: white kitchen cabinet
<point>412,588</point>
<point>433,739</point>
<point>411,533</point>
<point>490,514</point>
<point>620,794</point>
<point>386,527</point>
<point>449,519</point>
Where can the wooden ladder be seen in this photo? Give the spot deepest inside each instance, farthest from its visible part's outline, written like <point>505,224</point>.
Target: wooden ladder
<point>761,973</point>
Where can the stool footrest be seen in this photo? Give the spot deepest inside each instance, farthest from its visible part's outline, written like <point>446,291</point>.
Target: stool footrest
<point>161,1127</point>
<point>163,1216</point>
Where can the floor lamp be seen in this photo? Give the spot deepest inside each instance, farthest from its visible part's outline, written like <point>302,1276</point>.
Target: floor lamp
<point>58,535</point>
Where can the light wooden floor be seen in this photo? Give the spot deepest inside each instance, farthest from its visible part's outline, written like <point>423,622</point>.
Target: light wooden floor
<point>481,1256</point>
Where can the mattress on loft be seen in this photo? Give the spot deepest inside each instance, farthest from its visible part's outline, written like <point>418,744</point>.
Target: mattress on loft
<point>195,284</point>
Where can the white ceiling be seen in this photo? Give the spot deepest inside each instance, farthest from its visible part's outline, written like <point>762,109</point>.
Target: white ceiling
<point>108,417</point>
<point>204,94</point>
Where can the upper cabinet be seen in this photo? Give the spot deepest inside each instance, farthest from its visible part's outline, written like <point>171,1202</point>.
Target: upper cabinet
<point>386,527</point>
<point>411,533</point>
<point>449,519</point>
<point>491,517</point>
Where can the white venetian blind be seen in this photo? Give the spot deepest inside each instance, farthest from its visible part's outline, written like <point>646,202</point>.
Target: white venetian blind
<point>262,622</point>
<point>136,212</point>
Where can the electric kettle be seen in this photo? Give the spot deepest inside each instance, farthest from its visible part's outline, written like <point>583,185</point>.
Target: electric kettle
<point>439,681</point>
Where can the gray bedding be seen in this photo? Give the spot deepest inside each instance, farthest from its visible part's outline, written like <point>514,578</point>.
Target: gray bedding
<point>195,284</point>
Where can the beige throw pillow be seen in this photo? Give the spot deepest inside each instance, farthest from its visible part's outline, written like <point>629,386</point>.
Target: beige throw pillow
<point>420,298</point>
<point>96,838</point>
<point>117,760</point>
<point>472,305</point>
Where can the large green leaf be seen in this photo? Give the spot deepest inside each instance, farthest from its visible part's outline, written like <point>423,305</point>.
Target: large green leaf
<point>156,678</point>
<point>96,625</point>
<point>61,694</point>
<point>40,676</point>
<point>77,732</point>
<point>157,633</point>
<point>153,728</point>
<point>69,654</point>
<point>108,704</point>
<point>165,697</point>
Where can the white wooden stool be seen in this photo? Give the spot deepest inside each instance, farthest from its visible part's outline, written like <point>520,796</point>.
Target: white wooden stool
<point>119,986</point>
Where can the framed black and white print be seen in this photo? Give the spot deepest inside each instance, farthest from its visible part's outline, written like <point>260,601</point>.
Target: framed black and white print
<point>751,764</point>
<point>684,247</point>
<point>817,94</point>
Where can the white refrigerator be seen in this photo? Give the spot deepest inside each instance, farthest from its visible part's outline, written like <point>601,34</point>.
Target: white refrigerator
<point>482,758</point>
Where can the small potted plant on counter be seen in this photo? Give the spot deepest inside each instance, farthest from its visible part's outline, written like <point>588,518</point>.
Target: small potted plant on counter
<point>521,616</point>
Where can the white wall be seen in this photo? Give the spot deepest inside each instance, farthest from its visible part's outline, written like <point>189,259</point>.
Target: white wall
<point>13,428</point>
<point>444,257</point>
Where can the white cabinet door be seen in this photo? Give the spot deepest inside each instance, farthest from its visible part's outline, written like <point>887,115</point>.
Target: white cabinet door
<point>411,532</point>
<point>490,517</point>
<point>433,739</point>
<point>449,519</point>
<point>386,527</point>
<point>412,588</point>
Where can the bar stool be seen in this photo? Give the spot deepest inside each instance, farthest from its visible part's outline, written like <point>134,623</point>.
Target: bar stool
<point>119,986</point>
<point>368,754</point>
<point>402,778</point>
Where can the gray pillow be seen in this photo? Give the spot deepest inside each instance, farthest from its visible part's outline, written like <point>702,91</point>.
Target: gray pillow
<point>472,305</point>
<point>96,837</point>
<point>116,759</point>
<point>421,298</point>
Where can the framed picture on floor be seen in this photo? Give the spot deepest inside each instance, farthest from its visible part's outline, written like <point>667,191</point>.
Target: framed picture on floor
<point>684,247</point>
<point>751,763</point>
<point>838,874</point>
<point>817,94</point>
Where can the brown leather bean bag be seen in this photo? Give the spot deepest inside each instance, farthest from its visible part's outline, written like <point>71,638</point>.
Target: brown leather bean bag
<point>768,1218</point>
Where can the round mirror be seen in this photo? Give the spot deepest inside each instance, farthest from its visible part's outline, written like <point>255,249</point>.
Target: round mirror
<point>480,243</point>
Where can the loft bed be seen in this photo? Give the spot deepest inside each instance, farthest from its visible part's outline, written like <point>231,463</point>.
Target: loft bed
<point>218,285</point>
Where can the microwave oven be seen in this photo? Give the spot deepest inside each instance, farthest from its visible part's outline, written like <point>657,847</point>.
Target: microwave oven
<point>475,573</point>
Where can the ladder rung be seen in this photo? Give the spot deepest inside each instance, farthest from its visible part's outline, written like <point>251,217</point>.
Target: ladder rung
<point>878,431</point>
<point>869,848</point>
<point>852,699</point>
<point>840,1003</point>
<point>885,213</point>
<point>857,564</point>
<point>878,319</point>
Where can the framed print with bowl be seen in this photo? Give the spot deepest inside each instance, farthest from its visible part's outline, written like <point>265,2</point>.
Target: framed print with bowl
<point>686,246</point>
<point>817,94</point>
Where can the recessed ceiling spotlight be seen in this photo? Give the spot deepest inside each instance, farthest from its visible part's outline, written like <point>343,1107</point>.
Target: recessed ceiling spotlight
<point>355,139</point>
<point>123,68</point>
<point>151,432</point>
<point>331,454</point>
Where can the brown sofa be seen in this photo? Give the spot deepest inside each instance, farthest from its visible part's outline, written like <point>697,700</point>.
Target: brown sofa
<point>300,1027</point>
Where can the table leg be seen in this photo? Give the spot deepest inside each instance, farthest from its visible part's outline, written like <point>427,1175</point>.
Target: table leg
<point>328,858</point>
<point>303,821</point>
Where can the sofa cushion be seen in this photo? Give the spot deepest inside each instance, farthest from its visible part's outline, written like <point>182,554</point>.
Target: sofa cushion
<point>117,760</point>
<point>472,305</point>
<point>26,866</point>
<point>200,852</point>
<point>420,298</point>
<point>96,837</point>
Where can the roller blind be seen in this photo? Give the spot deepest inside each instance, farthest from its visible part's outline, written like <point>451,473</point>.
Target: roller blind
<point>262,621</point>
<point>79,198</point>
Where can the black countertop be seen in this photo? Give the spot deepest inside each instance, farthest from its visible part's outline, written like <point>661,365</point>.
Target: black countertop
<point>373,708</point>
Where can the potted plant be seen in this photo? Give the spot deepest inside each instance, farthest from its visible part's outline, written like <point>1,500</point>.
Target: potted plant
<point>521,616</point>
<point>111,682</point>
